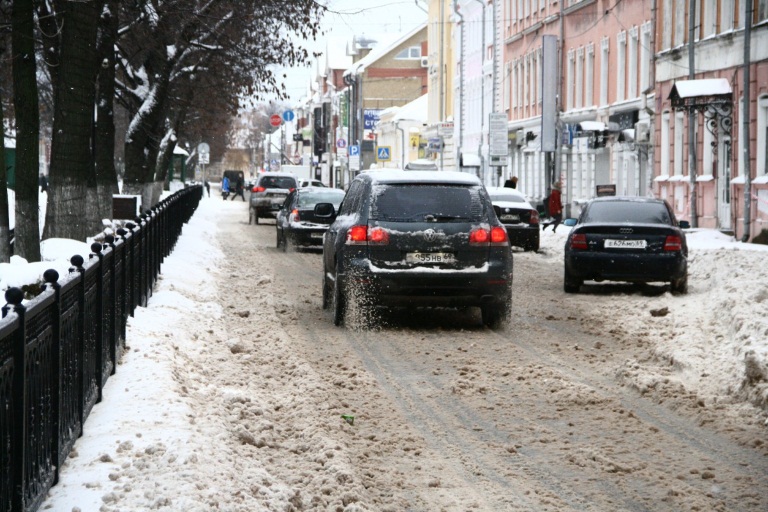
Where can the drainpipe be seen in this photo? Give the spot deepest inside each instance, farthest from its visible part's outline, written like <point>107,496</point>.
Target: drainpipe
<point>402,144</point>
<point>461,76</point>
<point>692,114</point>
<point>482,96</point>
<point>746,122</point>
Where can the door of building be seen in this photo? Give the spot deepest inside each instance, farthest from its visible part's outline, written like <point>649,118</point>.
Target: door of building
<point>724,153</point>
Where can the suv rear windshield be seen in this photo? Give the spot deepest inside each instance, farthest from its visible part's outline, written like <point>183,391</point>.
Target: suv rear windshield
<point>416,202</point>
<point>277,182</point>
<point>627,211</point>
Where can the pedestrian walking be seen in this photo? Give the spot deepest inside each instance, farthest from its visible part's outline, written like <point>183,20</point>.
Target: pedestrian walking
<point>238,189</point>
<point>225,188</point>
<point>511,182</point>
<point>555,207</point>
<point>207,187</point>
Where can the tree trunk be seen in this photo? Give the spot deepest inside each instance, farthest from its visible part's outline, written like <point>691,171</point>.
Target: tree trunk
<point>104,134</point>
<point>27,229</point>
<point>5,248</point>
<point>72,163</point>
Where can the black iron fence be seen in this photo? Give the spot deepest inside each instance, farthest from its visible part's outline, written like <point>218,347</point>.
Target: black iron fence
<point>58,350</point>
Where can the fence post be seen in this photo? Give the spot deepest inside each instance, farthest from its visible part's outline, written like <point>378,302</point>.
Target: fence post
<point>13,299</point>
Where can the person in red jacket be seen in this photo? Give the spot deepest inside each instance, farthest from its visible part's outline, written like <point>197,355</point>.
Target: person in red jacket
<point>555,208</point>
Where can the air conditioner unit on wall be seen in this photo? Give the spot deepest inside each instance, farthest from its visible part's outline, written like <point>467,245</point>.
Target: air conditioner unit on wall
<point>425,62</point>
<point>642,132</point>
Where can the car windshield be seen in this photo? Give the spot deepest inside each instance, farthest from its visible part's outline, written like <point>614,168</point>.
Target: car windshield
<point>311,198</point>
<point>627,211</point>
<point>417,202</point>
<point>507,198</point>
<point>277,182</point>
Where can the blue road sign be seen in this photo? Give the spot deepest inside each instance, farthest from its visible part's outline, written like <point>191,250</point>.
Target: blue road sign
<point>288,116</point>
<point>354,150</point>
<point>383,153</point>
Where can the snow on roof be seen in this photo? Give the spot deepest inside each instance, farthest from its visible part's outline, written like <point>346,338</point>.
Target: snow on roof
<point>178,150</point>
<point>416,110</point>
<point>336,56</point>
<point>381,50</point>
<point>702,87</point>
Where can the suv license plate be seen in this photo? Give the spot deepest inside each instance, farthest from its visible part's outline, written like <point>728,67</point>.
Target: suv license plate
<point>625,244</point>
<point>430,257</point>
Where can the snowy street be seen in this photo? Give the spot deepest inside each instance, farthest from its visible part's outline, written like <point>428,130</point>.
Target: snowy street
<point>237,393</point>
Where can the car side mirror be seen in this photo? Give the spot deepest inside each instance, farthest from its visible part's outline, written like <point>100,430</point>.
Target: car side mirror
<point>684,224</point>
<point>569,222</point>
<point>325,210</point>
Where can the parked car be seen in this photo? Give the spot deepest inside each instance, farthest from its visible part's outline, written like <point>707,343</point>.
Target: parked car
<point>519,217</point>
<point>416,238</point>
<point>269,194</point>
<point>300,223</point>
<point>421,164</point>
<point>305,182</point>
<point>634,239</point>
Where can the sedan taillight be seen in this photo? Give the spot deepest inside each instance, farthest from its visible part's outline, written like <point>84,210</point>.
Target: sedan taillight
<point>673,243</point>
<point>294,217</point>
<point>578,241</point>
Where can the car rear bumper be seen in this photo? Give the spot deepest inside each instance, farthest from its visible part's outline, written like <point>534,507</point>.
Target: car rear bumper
<point>306,237</point>
<point>614,266</point>
<point>522,236</point>
<point>422,287</point>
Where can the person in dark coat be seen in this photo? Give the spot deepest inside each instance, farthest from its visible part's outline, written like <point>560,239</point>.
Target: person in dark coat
<point>43,181</point>
<point>238,189</point>
<point>208,187</point>
<point>511,182</point>
<point>555,207</point>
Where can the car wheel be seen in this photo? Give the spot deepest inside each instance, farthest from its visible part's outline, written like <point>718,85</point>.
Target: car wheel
<point>339,303</point>
<point>250,216</point>
<point>256,215</point>
<point>495,315</point>
<point>285,242</point>
<point>680,286</point>
<point>571,284</point>
<point>533,246</point>
<point>278,240</point>
<point>326,292</point>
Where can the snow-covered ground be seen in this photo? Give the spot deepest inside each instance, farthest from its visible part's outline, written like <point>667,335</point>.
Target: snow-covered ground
<point>146,425</point>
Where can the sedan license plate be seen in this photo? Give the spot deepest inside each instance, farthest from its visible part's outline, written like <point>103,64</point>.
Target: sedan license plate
<point>625,244</point>
<point>510,217</point>
<point>430,257</point>
<point>316,235</point>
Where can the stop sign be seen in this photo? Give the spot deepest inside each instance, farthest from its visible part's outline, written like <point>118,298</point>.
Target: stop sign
<point>275,120</point>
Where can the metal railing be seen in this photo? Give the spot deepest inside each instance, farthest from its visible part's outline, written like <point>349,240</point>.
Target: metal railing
<point>58,350</point>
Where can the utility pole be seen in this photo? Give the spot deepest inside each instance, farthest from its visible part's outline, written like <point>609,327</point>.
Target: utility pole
<point>692,113</point>
<point>746,155</point>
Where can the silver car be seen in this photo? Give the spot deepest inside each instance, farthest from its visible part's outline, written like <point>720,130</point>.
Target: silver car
<point>269,194</point>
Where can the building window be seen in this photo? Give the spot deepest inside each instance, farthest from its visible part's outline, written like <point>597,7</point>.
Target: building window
<point>569,81</point>
<point>762,10</point>
<point>621,65</point>
<point>645,57</point>
<point>507,88</point>
<point>709,27</point>
<point>679,122</point>
<point>604,45</point>
<point>413,52</point>
<point>681,9</point>
<point>538,77</point>
<point>666,31</point>
<point>579,77</point>
<point>589,82</point>
<point>665,143</point>
<point>762,135</point>
<point>632,64</point>
<point>726,15</point>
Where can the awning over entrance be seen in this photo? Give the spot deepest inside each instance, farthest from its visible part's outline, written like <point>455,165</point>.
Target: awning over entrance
<point>705,91</point>
<point>592,126</point>
<point>470,160</point>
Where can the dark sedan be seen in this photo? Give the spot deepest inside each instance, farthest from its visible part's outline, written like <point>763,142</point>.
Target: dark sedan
<point>299,223</point>
<point>629,239</point>
<point>520,218</point>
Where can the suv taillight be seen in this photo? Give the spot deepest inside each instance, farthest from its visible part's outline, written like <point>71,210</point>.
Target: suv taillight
<point>673,243</point>
<point>578,241</point>
<point>361,235</point>
<point>481,236</point>
<point>534,218</point>
<point>294,217</point>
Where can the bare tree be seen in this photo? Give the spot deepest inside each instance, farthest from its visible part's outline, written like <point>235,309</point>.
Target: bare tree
<point>27,230</point>
<point>72,162</point>
<point>5,248</point>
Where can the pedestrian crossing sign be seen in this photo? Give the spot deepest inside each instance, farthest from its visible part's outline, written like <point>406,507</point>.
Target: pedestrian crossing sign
<point>384,153</point>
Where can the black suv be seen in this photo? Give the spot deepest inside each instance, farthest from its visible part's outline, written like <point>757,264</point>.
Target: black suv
<point>416,238</point>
